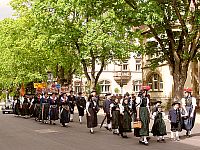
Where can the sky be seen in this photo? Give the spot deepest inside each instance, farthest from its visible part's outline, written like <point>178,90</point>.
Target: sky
<point>5,9</point>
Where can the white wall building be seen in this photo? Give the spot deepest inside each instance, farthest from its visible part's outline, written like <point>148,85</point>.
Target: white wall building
<point>114,74</point>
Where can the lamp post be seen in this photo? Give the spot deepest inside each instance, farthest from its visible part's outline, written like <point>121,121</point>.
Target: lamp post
<point>121,81</point>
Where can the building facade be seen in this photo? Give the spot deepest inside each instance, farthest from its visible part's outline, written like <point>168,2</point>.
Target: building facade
<point>117,78</point>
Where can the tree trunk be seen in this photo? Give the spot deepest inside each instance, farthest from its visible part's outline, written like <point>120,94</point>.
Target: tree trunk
<point>179,78</point>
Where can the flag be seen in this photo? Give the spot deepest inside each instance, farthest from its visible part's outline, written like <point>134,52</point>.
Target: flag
<point>22,90</point>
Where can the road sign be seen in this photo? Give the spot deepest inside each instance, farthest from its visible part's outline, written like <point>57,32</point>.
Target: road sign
<point>58,86</point>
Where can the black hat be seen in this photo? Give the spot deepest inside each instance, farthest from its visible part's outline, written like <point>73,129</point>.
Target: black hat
<point>71,91</point>
<point>176,102</point>
<point>108,94</point>
<point>158,102</point>
<point>93,91</point>
<point>127,94</point>
<point>80,93</point>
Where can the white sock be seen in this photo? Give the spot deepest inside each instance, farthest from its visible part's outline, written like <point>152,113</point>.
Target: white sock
<point>117,130</point>
<point>109,126</point>
<point>91,129</point>
<point>71,117</point>
<point>177,136</point>
<point>145,139</point>
<point>190,132</point>
<point>172,135</point>
<point>158,138</point>
<point>80,118</point>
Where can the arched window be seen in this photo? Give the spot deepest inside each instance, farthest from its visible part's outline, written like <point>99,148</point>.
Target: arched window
<point>155,82</point>
<point>104,86</point>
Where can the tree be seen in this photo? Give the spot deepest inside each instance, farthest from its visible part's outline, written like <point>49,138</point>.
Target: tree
<point>175,26</point>
<point>91,33</point>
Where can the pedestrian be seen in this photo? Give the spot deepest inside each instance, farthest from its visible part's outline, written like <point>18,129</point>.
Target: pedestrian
<point>44,103</point>
<point>65,110</point>
<point>72,100</point>
<point>188,104</point>
<point>159,127</point>
<point>25,107</point>
<point>53,102</point>
<point>92,110</point>
<point>37,107</point>
<point>175,120</point>
<point>81,104</point>
<point>125,118</point>
<point>17,106</point>
<point>155,107</point>
<point>143,115</point>
<point>115,113</point>
<point>106,108</point>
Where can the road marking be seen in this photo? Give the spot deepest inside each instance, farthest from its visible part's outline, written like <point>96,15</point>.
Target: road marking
<point>46,131</point>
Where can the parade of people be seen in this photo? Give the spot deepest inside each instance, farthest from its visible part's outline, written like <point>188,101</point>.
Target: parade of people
<point>118,113</point>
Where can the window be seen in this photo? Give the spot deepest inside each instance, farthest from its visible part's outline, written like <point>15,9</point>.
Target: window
<point>138,66</point>
<point>77,87</point>
<point>105,68</point>
<point>137,85</point>
<point>104,86</point>
<point>125,66</point>
<point>155,82</point>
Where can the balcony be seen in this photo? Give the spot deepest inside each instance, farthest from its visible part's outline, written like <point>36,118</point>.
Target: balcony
<point>122,77</point>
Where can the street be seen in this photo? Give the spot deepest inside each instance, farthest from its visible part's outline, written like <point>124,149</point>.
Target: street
<point>26,134</point>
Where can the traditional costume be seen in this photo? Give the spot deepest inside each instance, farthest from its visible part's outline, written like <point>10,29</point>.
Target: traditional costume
<point>143,114</point>
<point>106,108</point>
<point>44,103</point>
<point>188,104</point>
<point>159,127</point>
<point>64,111</point>
<point>115,113</point>
<point>92,110</point>
<point>176,121</point>
<point>125,118</point>
<point>53,102</point>
<point>81,104</point>
<point>72,100</point>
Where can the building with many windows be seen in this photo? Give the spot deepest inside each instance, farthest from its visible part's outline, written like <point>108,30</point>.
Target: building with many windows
<point>117,78</point>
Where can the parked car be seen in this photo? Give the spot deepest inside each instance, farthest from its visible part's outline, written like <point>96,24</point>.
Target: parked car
<point>7,109</point>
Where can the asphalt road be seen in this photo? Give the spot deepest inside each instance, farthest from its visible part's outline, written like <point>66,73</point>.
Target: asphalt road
<point>17,133</point>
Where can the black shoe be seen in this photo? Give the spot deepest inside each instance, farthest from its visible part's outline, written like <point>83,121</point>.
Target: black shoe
<point>110,129</point>
<point>148,138</point>
<point>141,142</point>
<point>125,136</point>
<point>106,128</point>
<point>163,140</point>
<point>92,132</point>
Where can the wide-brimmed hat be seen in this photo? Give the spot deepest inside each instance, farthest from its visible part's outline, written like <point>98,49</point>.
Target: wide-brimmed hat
<point>176,102</point>
<point>145,88</point>
<point>108,94</point>
<point>93,91</point>
<point>80,93</point>
<point>188,90</point>
<point>158,102</point>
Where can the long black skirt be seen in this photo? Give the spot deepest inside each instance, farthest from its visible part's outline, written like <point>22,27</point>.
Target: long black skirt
<point>45,112</point>
<point>64,116</point>
<point>92,119</point>
<point>54,113</point>
<point>80,111</point>
<point>115,119</point>
<point>25,109</point>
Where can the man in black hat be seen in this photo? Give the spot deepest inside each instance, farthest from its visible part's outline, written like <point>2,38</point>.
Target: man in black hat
<point>106,108</point>
<point>72,100</point>
<point>81,103</point>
